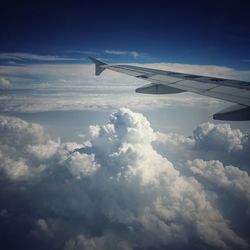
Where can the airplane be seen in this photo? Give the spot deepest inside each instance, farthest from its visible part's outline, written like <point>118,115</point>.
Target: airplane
<point>169,82</point>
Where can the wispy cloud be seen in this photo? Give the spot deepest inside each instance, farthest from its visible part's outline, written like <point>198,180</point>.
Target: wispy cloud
<point>83,52</point>
<point>246,60</point>
<point>134,54</point>
<point>20,56</point>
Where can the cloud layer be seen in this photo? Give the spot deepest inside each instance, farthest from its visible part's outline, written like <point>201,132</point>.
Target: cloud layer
<point>28,57</point>
<point>52,86</point>
<point>117,190</point>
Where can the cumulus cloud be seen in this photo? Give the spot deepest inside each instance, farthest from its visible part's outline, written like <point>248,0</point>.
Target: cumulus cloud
<point>22,143</point>
<point>230,187</point>
<point>228,177</point>
<point>17,131</point>
<point>125,143</point>
<point>208,141</point>
<point>43,151</point>
<point>219,137</point>
<point>82,164</point>
<point>113,191</point>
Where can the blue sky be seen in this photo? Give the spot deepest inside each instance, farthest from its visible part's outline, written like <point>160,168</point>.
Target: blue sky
<point>211,32</point>
<point>87,163</point>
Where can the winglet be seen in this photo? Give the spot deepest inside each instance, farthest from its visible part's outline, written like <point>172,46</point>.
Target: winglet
<point>98,65</point>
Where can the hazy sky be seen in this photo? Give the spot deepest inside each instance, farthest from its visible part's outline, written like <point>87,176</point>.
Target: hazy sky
<point>87,163</point>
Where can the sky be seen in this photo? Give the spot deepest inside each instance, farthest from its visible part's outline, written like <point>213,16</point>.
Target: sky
<point>87,163</point>
<point>211,32</point>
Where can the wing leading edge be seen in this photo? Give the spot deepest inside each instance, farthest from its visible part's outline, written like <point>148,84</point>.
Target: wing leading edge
<point>169,82</point>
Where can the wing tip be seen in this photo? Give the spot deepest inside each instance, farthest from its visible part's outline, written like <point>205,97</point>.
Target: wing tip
<point>98,65</point>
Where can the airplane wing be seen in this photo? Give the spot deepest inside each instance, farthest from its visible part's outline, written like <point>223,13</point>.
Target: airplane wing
<point>169,82</point>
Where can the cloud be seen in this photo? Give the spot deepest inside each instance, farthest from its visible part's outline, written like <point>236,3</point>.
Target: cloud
<point>133,54</point>
<point>219,137</point>
<point>43,151</point>
<point>17,131</point>
<point>209,141</point>
<point>82,164</point>
<point>5,83</point>
<point>4,213</point>
<point>95,243</point>
<point>230,187</point>
<point>22,57</point>
<point>245,60</point>
<point>80,89</point>
<point>83,52</point>
<point>206,70</point>
<point>229,178</point>
<point>19,141</point>
<point>115,190</point>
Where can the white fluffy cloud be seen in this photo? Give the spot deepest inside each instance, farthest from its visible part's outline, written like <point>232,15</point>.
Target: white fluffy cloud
<point>20,142</point>
<point>82,164</point>
<point>228,177</point>
<point>43,151</point>
<point>116,190</point>
<point>166,202</point>
<point>219,137</point>
<point>209,136</point>
<point>16,131</point>
<point>209,141</point>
